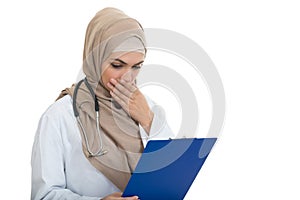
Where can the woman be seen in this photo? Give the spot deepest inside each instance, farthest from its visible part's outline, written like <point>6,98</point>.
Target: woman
<point>90,140</point>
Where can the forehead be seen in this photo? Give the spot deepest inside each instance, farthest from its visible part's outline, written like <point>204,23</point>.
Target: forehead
<point>127,56</point>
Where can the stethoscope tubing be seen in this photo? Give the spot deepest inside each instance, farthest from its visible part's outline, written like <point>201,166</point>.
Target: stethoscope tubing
<point>101,151</point>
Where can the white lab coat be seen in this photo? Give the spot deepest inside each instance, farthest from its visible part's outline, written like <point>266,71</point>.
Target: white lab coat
<point>59,168</point>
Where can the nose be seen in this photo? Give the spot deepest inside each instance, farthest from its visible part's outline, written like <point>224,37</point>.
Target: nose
<point>129,75</point>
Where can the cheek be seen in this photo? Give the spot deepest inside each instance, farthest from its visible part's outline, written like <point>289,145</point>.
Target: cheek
<point>108,74</point>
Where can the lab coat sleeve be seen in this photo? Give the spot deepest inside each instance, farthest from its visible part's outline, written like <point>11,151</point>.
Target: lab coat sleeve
<point>48,177</point>
<point>159,126</point>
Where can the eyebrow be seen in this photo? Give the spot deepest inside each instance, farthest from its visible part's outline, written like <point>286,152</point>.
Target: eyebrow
<point>123,62</point>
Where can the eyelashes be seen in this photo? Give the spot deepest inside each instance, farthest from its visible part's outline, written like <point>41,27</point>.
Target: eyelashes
<point>116,66</point>
<point>137,66</point>
<point>119,66</point>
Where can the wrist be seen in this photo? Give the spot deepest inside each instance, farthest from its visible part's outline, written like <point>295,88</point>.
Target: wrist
<point>146,124</point>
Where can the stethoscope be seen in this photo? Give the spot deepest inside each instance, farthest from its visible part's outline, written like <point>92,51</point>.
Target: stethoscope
<point>101,151</point>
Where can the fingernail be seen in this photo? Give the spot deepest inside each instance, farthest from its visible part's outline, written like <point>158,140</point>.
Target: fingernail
<point>112,80</point>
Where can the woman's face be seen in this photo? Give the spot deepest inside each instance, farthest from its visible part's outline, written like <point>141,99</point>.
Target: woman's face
<point>122,66</point>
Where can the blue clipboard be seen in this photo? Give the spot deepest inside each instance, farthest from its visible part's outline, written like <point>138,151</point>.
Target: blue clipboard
<point>167,168</point>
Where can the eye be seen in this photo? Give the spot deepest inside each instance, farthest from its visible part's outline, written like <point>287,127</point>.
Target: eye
<point>137,66</point>
<point>116,66</point>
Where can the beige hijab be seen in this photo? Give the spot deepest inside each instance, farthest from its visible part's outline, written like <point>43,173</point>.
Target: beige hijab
<point>119,132</point>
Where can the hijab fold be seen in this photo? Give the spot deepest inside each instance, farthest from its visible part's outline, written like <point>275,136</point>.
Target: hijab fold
<point>120,135</point>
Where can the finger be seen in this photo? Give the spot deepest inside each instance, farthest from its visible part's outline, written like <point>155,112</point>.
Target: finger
<point>119,100</point>
<point>130,198</point>
<point>129,85</point>
<point>121,88</point>
<point>117,194</point>
<point>121,96</point>
<point>118,92</point>
<point>110,86</point>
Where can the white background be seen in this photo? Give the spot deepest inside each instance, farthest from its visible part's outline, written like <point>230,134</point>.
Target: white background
<point>255,46</point>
